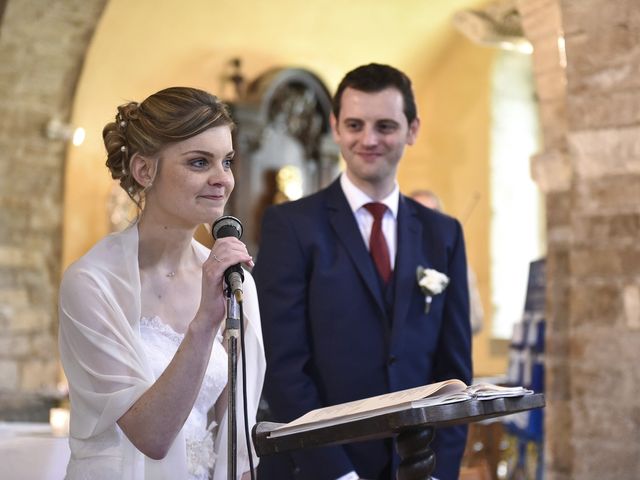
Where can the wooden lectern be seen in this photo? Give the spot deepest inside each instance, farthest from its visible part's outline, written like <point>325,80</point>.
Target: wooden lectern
<point>413,427</point>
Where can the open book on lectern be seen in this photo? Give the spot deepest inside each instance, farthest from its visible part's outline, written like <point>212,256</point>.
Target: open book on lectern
<point>441,393</point>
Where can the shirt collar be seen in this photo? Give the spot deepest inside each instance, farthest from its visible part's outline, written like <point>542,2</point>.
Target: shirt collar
<point>357,198</point>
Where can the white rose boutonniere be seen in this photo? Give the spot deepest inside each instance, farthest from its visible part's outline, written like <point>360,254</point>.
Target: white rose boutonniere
<point>431,282</point>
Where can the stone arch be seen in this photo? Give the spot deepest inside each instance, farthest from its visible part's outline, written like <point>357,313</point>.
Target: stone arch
<point>42,46</point>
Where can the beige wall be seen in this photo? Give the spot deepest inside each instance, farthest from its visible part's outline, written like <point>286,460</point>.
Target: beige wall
<point>452,159</point>
<point>140,47</point>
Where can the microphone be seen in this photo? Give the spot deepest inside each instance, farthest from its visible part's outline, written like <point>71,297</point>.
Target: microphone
<point>229,226</point>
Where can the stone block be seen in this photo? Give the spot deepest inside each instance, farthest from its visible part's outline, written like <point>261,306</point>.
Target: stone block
<point>605,39</point>
<point>608,109</point>
<point>16,296</point>
<point>580,11</point>
<point>29,184</point>
<point>42,151</point>
<point>44,345</point>
<point>5,314</point>
<point>594,418</point>
<point>599,230</point>
<point>556,474</point>
<point>611,193</point>
<point>615,76</point>
<point>631,261</point>
<point>596,305</point>
<point>553,123</point>
<point>593,347</point>
<point>557,311</point>
<point>41,287</point>
<point>551,84</point>
<point>559,235</point>
<point>599,262</point>
<point>12,220</point>
<point>26,407</point>
<point>39,375</point>
<point>548,56</point>
<point>540,18</point>
<point>551,170</point>
<point>29,320</point>
<point>603,457</point>
<point>12,256</point>
<point>558,436</point>
<point>48,217</point>
<point>557,275</point>
<point>605,260</point>
<point>8,375</point>
<point>557,373</point>
<point>559,207</point>
<point>598,153</point>
<point>15,346</point>
<point>591,384</point>
<point>606,438</point>
<point>631,299</point>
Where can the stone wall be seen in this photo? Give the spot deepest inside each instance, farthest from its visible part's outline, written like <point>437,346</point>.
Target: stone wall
<point>603,96</point>
<point>42,46</point>
<point>590,171</point>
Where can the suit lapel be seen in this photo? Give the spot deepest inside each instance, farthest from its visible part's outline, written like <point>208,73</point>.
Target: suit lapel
<point>408,258</point>
<point>348,233</point>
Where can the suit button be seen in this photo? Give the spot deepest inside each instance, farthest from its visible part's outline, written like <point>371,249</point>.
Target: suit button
<point>391,360</point>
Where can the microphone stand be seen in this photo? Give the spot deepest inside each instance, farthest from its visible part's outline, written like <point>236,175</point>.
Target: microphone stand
<point>231,335</point>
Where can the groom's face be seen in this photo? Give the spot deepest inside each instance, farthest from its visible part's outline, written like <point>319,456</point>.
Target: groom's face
<point>372,131</point>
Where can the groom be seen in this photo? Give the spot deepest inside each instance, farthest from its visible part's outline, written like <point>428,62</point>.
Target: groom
<point>343,316</point>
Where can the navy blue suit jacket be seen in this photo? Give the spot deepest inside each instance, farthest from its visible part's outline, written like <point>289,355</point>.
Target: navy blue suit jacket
<point>329,336</point>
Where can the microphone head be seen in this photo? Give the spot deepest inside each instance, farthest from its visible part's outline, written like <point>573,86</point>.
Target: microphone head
<point>226,226</point>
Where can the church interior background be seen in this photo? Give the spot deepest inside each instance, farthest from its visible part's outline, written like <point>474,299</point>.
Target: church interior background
<point>68,63</point>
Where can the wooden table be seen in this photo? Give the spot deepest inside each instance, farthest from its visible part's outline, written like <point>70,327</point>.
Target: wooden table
<point>413,427</point>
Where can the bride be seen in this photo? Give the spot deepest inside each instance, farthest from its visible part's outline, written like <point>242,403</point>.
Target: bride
<point>141,313</point>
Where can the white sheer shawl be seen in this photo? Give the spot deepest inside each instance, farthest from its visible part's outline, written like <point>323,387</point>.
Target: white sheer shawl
<point>107,370</point>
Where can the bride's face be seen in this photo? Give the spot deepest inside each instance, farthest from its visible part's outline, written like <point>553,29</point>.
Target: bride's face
<point>194,179</point>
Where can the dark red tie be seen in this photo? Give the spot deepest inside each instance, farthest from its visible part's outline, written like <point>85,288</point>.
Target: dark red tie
<point>377,243</point>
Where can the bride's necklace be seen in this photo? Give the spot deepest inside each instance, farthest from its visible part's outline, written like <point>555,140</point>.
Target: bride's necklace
<point>171,274</point>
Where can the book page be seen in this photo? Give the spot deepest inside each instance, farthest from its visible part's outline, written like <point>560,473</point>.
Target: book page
<point>374,405</point>
<point>441,393</point>
<point>442,399</point>
<point>488,391</point>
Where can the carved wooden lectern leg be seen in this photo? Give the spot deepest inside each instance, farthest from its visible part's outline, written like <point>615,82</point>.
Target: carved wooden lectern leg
<point>417,460</point>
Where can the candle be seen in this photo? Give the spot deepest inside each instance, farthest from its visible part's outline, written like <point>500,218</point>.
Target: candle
<point>59,421</point>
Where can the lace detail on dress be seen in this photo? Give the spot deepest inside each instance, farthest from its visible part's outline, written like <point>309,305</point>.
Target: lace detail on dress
<point>156,324</point>
<point>200,456</point>
<point>161,343</point>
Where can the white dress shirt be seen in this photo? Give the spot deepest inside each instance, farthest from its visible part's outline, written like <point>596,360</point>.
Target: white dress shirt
<point>357,199</point>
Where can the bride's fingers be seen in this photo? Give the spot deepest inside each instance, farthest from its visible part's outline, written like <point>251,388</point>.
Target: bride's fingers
<point>228,251</point>
<point>229,243</point>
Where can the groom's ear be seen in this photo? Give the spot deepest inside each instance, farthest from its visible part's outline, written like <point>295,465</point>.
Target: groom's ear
<point>414,128</point>
<point>333,121</point>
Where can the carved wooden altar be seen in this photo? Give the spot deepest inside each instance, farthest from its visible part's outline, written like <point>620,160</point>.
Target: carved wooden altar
<point>284,148</point>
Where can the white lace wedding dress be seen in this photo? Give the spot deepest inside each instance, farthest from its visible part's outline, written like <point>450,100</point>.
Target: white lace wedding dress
<point>160,343</point>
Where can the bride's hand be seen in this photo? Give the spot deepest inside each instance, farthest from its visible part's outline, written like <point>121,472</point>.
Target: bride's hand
<point>225,252</point>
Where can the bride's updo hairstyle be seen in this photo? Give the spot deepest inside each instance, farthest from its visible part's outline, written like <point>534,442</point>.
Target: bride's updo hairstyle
<point>168,116</point>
